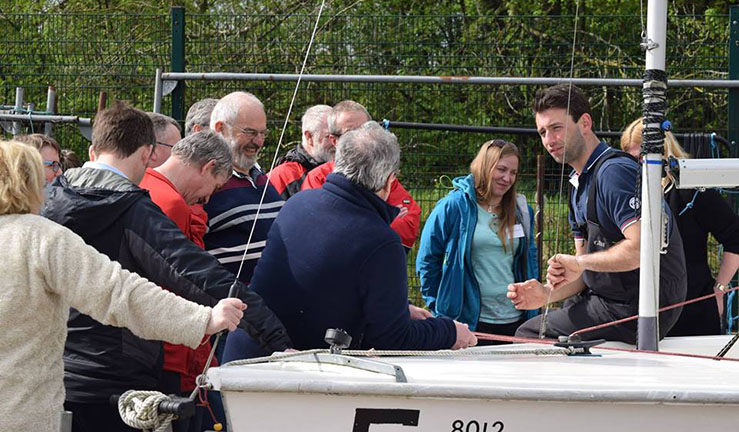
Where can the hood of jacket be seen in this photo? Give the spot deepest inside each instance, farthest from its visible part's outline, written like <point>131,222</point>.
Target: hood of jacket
<point>466,185</point>
<point>299,155</point>
<point>89,200</point>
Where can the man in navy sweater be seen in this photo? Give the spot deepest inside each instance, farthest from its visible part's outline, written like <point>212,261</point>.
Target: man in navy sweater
<point>332,260</point>
<point>241,212</point>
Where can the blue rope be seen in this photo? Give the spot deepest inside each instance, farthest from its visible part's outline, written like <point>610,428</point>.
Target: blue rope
<point>715,150</point>
<point>690,205</point>
<point>730,318</point>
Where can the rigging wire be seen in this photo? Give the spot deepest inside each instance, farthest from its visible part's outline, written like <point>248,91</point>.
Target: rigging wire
<point>543,322</point>
<point>282,135</point>
<point>201,379</point>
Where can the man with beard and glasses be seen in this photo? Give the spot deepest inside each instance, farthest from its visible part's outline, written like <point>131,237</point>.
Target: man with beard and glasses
<point>601,282</point>
<point>234,213</point>
<point>315,148</point>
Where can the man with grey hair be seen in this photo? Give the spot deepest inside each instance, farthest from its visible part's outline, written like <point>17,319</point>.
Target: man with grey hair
<point>315,148</point>
<point>199,164</point>
<point>198,116</point>
<point>348,115</point>
<point>242,211</point>
<point>167,133</point>
<point>197,119</point>
<point>332,260</point>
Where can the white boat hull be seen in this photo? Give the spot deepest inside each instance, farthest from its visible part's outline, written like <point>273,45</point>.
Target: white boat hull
<point>489,392</point>
<point>341,413</point>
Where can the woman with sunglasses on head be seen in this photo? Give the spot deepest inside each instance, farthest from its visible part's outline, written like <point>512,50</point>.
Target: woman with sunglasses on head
<point>51,153</point>
<point>478,240</point>
<point>46,269</point>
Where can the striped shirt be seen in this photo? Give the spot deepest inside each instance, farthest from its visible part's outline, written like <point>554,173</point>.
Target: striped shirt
<point>232,213</point>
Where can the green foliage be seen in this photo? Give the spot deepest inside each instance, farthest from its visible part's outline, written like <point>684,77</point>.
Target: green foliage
<point>83,47</point>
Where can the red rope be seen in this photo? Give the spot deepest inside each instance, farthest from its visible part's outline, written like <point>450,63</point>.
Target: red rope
<point>503,338</point>
<point>667,353</point>
<point>666,308</point>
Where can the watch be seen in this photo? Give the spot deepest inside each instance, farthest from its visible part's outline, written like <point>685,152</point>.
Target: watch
<point>719,286</point>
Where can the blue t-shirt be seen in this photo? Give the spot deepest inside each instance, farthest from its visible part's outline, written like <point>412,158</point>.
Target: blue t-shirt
<point>493,270</point>
<point>616,204</point>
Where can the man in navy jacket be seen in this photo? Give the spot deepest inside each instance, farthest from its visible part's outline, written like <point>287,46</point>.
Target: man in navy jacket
<point>332,260</point>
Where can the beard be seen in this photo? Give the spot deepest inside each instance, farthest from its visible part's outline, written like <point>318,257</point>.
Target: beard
<point>242,161</point>
<point>324,154</point>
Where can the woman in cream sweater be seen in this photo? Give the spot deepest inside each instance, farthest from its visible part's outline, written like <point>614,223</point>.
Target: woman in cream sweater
<point>45,269</point>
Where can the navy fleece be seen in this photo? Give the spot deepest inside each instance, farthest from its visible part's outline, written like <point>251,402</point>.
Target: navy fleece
<point>332,261</point>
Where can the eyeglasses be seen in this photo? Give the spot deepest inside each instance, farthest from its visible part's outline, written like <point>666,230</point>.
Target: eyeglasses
<point>250,133</point>
<point>54,165</point>
<point>164,144</point>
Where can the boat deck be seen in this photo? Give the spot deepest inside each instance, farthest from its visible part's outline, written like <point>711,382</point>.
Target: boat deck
<point>483,373</point>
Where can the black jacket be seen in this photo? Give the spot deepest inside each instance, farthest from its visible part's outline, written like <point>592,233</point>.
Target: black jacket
<point>118,219</point>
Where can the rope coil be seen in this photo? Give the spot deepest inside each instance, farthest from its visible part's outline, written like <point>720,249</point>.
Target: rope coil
<point>140,409</point>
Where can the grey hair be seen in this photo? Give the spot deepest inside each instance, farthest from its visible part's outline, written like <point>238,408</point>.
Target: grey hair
<point>368,155</point>
<point>227,109</point>
<point>199,114</point>
<point>201,147</point>
<point>161,122</point>
<point>313,120</point>
<point>341,107</point>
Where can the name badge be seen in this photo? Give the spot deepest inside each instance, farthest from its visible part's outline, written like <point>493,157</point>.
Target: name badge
<point>518,231</point>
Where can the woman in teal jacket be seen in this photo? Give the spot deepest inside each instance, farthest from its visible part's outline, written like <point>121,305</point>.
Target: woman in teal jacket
<point>477,240</point>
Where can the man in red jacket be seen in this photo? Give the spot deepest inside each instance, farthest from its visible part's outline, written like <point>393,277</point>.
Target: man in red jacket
<point>199,164</point>
<point>349,115</point>
<point>314,149</point>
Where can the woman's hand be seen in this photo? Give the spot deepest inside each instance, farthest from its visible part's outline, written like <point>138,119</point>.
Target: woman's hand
<point>225,315</point>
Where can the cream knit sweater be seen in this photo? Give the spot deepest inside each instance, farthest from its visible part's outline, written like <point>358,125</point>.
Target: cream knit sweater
<point>44,269</point>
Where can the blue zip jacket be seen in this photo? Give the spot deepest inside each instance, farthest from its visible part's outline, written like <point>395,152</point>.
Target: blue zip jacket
<point>443,265</point>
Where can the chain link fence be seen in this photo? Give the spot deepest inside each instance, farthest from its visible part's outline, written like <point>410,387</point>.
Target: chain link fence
<point>83,54</point>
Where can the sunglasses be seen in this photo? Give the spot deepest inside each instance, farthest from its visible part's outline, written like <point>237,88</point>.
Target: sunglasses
<point>54,165</point>
<point>500,143</point>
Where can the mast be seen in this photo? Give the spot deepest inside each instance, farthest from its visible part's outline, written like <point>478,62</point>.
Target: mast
<point>653,136</point>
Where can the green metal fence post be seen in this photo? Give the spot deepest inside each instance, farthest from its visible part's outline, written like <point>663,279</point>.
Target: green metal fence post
<point>733,75</point>
<point>177,61</point>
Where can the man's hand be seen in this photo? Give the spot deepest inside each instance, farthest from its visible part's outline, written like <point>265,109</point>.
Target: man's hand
<point>225,315</point>
<point>562,270</point>
<point>418,313</point>
<point>527,295</point>
<point>465,338</point>
<point>403,211</point>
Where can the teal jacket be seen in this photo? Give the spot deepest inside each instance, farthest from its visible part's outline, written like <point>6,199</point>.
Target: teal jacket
<point>443,263</point>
